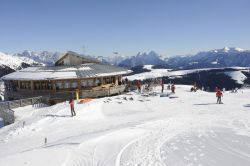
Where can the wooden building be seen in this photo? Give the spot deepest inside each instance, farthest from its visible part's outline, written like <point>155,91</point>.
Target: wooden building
<point>72,74</point>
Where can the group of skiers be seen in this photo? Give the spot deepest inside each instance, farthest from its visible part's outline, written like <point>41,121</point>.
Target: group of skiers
<point>169,87</point>
<point>219,93</point>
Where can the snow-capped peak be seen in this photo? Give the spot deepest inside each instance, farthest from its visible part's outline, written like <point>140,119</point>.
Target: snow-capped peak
<point>12,61</point>
<point>228,50</point>
<point>239,49</point>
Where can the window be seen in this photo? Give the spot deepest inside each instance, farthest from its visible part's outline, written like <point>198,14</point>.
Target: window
<point>106,80</point>
<point>83,83</point>
<point>59,85</point>
<point>49,85</point>
<point>97,82</point>
<point>66,84</point>
<point>25,85</point>
<point>37,85</point>
<point>74,85</point>
<point>43,85</point>
<point>113,80</point>
<point>90,82</point>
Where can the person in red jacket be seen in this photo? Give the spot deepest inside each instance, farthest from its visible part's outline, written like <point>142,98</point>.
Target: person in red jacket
<point>219,94</point>
<point>72,107</point>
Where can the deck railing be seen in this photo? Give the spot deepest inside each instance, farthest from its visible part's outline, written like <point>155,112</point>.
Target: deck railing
<point>68,94</point>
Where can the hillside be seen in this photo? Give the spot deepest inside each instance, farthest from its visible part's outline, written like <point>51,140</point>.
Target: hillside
<point>10,63</point>
<point>207,78</point>
<point>184,129</point>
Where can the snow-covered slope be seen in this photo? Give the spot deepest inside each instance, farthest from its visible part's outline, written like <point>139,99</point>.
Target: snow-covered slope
<point>10,63</point>
<point>183,129</point>
<point>238,76</point>
<point>14,62</point>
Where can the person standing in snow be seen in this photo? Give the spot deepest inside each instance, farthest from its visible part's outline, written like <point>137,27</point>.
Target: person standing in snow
<point>162,86</point>
<point>139,86</point>
<point>72,107</point>
<point>168,86</point>
<point>173,88</point>
<point>219,94</point>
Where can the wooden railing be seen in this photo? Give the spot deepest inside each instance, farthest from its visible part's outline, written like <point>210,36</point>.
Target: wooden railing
<point>68,94</point>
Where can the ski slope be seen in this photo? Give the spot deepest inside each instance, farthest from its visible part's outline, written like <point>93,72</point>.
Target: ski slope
<point>185,129</point>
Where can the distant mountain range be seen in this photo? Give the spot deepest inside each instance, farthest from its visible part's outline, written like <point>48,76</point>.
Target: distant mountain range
<point>151,58</point>
<point>225,57</point>
<point>42,58</point>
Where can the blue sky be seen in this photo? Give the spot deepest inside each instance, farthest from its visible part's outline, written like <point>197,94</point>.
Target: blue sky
<point>100,27</point>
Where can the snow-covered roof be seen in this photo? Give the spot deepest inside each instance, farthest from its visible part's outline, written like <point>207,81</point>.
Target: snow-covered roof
<point>66,72</point>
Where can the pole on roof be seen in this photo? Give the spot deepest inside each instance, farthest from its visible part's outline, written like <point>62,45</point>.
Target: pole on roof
<point>83,49</point>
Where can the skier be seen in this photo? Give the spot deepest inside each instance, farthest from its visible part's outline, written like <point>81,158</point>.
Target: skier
<point>173,88</point>
<point>195,87</point>
<point>73,113</point>
<point>219,94</point>
<point>139,86</point>
<point>168,86</point>
<point>162,86</point>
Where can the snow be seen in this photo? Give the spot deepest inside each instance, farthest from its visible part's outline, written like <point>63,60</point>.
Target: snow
<point>1,122</point>
<point>239,49</point>
<point>75,69</point>
<point>114,73</point>
<point>39,76</point>
<point>13,61</point>
<point>156,73</point>
<point>188,130</point>
<point>85,68</point>
<point>149,67</point>
<point>226,49</point>
<point>238,76</point>
<point>215,62</point>
<point>1,90</point>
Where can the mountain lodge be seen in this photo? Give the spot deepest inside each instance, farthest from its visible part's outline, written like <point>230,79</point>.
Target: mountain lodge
<point>73,76</point>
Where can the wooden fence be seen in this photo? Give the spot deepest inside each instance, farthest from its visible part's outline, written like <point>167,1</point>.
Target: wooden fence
<point>6,107</point>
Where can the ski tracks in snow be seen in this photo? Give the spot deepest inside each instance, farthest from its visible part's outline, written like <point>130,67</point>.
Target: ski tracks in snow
<point>104,150</point>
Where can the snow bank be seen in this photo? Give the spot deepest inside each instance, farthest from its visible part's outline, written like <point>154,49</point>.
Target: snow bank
<point>238,76</point>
